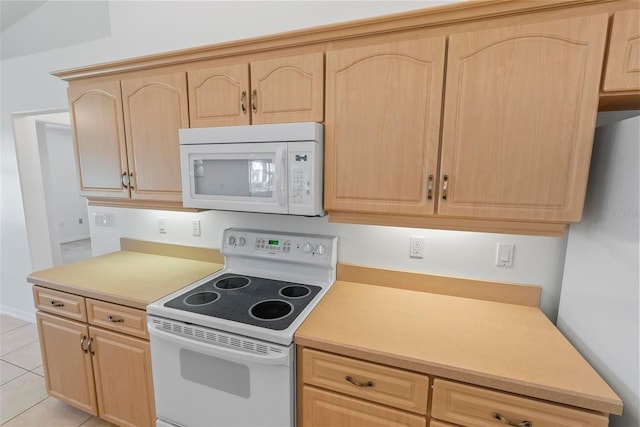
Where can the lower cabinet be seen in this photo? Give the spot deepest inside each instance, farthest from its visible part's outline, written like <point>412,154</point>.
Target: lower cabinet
<point>342,391</point>
<point>99,371</point>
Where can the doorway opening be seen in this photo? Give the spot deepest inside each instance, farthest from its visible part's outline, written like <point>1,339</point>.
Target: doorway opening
<point>55,214</point>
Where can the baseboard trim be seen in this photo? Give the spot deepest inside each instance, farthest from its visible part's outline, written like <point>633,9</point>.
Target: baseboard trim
<point>26,315</point>
<point>75,238</point>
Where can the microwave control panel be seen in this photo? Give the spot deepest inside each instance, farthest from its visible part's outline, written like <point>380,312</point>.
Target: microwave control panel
<point>305,181</point>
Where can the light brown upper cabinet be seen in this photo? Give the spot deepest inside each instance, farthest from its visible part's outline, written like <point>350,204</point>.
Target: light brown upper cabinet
<point>519,117</point>
<point>288,89</point>
<point>98,131</point>
<point>623,61</point>
<point>155,108</point>
<point>382,127</point>
<point>126,137</point>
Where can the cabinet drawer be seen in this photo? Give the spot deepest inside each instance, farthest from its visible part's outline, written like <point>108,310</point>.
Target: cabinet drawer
<point>389,386</point>
<point>62,303</point>
<point>117,318</point>
<point>475,407</point>
<point>323,408</point>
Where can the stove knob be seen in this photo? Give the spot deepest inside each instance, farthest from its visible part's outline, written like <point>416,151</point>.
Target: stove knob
<point>232,240</point>
<point>307,247</point>
<point>242,241</point>
<point>320,250</point>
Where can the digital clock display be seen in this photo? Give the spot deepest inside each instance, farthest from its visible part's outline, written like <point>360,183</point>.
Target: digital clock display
<point>274,242</point>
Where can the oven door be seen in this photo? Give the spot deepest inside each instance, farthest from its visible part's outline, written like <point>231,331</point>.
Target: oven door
<point>249,177</point>
<point>244,383</point>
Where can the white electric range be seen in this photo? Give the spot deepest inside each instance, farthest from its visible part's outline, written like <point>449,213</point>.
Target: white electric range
<point>222,348</point>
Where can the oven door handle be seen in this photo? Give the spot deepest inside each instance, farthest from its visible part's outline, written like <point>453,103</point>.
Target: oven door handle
<point>217,350</point>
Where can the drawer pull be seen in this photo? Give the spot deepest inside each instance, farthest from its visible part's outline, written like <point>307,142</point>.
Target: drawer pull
<point>56,304</point>
<point>359,384</point>
<point>110,318</point>
<point>499,417</point>
<point>84,337</point>
<point>89,345</point>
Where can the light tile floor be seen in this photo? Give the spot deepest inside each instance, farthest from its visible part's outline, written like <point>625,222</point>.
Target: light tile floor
<point>23,398</point>
<point>75,251</point>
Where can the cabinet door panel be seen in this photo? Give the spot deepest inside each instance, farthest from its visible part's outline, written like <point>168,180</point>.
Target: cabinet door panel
<point>288,89</point>
<point>67,368</point>
<point>382,127</point>
<point>98,134</point>
<point>623,62</point>
<point>219,96</point>
<point>520,112</point>
<point>154,109</point>
<point>124,386</point>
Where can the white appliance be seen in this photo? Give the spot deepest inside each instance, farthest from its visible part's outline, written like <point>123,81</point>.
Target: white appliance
<point>222,348</point>
<point>599,302</point>
<point>275,168</point>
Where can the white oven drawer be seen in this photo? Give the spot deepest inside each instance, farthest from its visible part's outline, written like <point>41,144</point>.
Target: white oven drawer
<point>207,377</point>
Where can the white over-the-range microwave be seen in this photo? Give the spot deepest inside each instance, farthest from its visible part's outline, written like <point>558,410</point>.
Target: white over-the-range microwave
<point>274,168</point>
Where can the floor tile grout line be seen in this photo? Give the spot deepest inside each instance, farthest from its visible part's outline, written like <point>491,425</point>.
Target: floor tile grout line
<point>15,378</point>
<point>17,327</point>
<point>29,408</point>
<point>19,348</point>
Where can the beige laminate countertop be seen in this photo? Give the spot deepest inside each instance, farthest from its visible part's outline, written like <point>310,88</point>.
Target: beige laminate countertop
<point>130,278</point>
<point>503,346</point>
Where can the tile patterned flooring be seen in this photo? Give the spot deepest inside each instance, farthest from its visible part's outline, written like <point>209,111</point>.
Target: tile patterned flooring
<point>23,399</point>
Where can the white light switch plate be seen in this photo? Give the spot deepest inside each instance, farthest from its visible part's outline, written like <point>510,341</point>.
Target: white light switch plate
<point>504,255</point>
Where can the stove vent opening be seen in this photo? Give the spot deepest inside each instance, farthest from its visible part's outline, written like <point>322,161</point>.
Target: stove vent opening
<point>218,338</point>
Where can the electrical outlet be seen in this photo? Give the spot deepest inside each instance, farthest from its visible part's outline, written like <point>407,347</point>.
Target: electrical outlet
<point>162,225</point>
<point>195,227</point>
<point>416,247</point>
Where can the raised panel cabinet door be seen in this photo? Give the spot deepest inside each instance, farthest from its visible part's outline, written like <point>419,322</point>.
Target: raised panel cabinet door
<point>219,96</point>
<point>154,109</point>
<point>382,127</point>
<point>623,61</point>
<point>288,89</point>
<point>67,367</point>
<point>519,116</point>
<point>124,387</point>
<point>322,408</point>
<point>99,140</point>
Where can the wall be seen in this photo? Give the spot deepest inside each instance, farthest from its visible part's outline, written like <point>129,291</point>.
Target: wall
<point>600,298</point>
<point>27,85</point>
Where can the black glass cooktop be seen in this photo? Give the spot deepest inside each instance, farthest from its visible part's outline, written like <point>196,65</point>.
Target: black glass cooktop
<point>271,304</point>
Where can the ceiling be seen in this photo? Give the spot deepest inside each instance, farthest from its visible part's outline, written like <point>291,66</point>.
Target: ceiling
<point>13,11</point>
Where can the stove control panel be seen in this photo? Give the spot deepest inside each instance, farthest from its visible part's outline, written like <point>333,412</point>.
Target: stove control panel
<point>306,248</point>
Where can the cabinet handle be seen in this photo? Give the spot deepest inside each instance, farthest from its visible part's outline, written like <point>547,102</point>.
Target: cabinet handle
<point>254,100</point>
<point>89,345</point>
<point>359,384</point>
<point>56,304</point>
<point>430,187</point>
<point>84,337</point>
<point>445,186</point>
<point>499,417</point>
<point>110,318</point>
<point>243,100</point>
<point>125,180</point>
<point>130,181</point>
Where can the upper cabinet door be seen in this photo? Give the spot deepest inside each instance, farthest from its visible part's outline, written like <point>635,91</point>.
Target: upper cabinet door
<point>98,133</point>
<point>154,109</point>
<point>288,89</point>
<point>623,62</point>
<point>520,112</point>
<point>382,127</point>
<point>219,96</point>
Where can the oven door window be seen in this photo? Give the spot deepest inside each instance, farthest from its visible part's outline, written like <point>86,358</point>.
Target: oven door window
<point>220,374</point>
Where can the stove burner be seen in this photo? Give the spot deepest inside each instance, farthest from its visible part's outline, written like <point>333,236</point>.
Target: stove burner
<point>294,291</point>
<point>233,282</point>
<point>201,298</point>
<point>271,310</point>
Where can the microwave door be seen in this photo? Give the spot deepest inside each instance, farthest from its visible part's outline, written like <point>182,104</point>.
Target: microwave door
<point>237,177</point>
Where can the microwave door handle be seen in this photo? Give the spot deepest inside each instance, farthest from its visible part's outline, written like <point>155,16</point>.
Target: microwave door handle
<point>283,182</point>
<point>214,349</point>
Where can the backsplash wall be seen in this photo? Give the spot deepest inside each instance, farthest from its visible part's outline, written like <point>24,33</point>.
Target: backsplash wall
<point>537,260</point>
